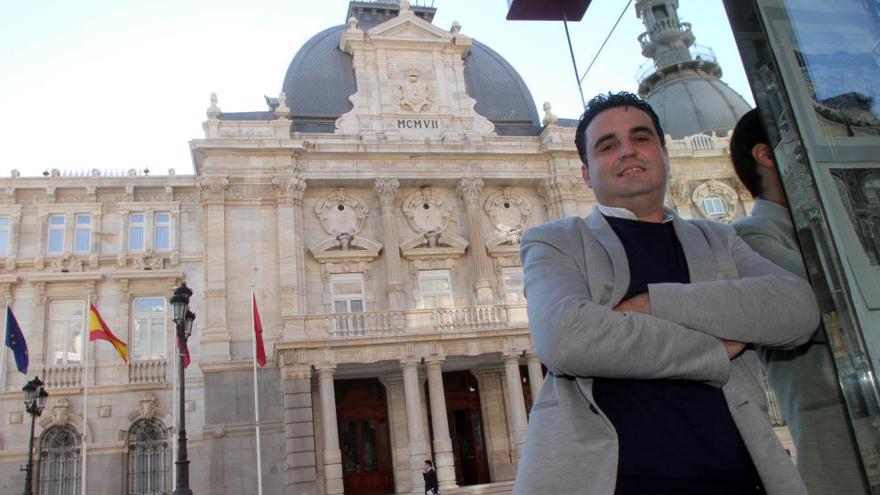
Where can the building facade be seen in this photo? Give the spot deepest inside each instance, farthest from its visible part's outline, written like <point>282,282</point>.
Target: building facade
<point>374,211</point>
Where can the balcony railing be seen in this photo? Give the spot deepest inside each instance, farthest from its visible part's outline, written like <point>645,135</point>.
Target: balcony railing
<point>63,376</point>
<point>698,53</point>
<point>415,321</point>
<point>471,318</point>
<point>147,371</point>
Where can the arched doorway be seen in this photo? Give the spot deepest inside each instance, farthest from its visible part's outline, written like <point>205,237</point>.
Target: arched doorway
<point>362,417</point>
<point>465,428</point>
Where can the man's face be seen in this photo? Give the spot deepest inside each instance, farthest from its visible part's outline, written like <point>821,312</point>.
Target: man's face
<point>627,165</point>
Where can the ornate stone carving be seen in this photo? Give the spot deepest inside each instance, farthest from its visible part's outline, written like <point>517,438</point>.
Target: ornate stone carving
<point>342,213</point>
<point>509,214</point>
<point>413,88</point>
<point>214,186</point>
<point>213,111</point>
<point>289,186</point>
<point>679,192</point>
<point>65,263</point>
<point>550,118</point>
<point>469,189</point>
<point>386,189</point>
<point>282,111</point>
<point>426,211</point>
<point>717,188</point>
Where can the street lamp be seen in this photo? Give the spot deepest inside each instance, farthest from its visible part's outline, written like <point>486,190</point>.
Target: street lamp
<point>34,402</point>
<point>183,321</point>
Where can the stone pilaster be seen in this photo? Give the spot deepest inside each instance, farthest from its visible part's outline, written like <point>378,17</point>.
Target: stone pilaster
<point>290,191</point>
<point>469,189</point>
<point>516,403</point>
<point>393,383</point>
<point>415,426</point>
<point>386,189</point>
<point>299,430</point>
<point>332,453</point>
<point>536,376</point>
<point>559,196</point>
<point>216,339</point>
<point>442,443</point>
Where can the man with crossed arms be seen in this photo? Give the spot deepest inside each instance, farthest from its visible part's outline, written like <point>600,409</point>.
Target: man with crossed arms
<point>643,320</point>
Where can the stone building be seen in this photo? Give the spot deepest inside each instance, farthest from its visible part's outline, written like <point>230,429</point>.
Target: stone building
<point>375,209</point>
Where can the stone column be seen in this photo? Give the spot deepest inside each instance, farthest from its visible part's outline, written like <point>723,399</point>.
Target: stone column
<point>290,190</point>
<point>332,453</point>
<point>536,376</point>
<point>414,426</point>
<point>516,403</point>
<point>386,189</point>
<point>14,232</point>
<point>215,340</point>
<point>469,188</point>
<point>442,443</point>
<point>299,429</point>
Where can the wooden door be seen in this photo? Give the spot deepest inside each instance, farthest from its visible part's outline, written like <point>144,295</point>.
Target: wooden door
<point>365,442</point>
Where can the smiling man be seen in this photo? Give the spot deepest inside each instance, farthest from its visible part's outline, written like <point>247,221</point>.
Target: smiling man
<point>643,320</point>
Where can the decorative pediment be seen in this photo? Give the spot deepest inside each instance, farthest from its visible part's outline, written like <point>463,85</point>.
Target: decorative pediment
<point>407,28</point>
<point>434,245</point>
<point>346,249</point>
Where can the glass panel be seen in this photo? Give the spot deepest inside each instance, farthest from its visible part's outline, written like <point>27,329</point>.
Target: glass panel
<point>357,305</point>
<point>155,305</point>
<point>83,219</point>
<point>56,240</point>
<point>136,238</point>
<point>75,329</point>
<point>349,287</point>
<point>141,338</point>
<point>82,241</point>
<point>59,341</point>
<point>4,242</point>
<point>340,307</point>
<point>161,238</point>
<point>157,338</point>
<point>368,432</point>
<point>137,218</point>
<point>350,461</point>
<point>56,220</point>
<point>161,218</point>
<point>5,222</point>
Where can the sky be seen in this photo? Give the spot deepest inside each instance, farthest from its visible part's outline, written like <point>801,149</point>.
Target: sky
<point>120,84</point>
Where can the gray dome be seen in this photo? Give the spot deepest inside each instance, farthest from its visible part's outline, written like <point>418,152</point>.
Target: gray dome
<point>320,79</point>
<point>694,103</point>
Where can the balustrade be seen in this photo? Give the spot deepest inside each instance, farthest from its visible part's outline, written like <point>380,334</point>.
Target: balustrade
<point>147,371</point>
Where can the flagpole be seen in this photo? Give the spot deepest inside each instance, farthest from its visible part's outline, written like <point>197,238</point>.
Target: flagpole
<point>5,353</point>
<point>256,392</point>
<point>174,417</point>
<point>85,383</point>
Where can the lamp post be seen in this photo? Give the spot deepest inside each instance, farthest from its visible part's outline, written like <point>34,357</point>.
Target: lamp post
<point>34,402</point>
<point>183,321</point>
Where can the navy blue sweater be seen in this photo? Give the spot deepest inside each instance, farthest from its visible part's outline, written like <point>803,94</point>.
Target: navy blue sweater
<point>675,436</point>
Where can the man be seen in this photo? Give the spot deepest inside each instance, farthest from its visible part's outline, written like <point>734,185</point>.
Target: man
<point>803,378</point>
<point>431,486</point>
<point>640,317</point>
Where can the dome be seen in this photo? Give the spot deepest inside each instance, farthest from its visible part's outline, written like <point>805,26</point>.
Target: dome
<point>320,79</point>
<point>694,103</point>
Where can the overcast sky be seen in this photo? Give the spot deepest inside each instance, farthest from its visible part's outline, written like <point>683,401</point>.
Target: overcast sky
<point>119,84</point>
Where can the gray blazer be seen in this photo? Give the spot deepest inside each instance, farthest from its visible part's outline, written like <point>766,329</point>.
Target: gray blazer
<point>575,273</point>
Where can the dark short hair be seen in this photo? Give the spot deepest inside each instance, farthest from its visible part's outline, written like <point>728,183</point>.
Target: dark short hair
<point>428,462</point>
<point>748,133</point>
<point>599,104</point>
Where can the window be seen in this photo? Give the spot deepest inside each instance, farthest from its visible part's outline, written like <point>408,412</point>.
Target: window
<point>161,232</point>
<point>347,293</point>
<point>714,205</point>
<point>512,284</point>
<point>136,232</point>
<point>148,458</point>
<point>60,461</point>
<point>150,328</point>
<point>66,327</point>
<point>435,288</point>
<point>56,234</point>
<point>5,232</point>
<point>82,238</point>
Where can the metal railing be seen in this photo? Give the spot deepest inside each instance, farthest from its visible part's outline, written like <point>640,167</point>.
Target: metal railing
<point>698,53</point>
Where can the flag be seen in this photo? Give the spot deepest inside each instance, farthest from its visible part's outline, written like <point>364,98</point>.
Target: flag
<point>258,335</point>
<point>98,330</point>
<point>15,341</point>
<point>186,358</point>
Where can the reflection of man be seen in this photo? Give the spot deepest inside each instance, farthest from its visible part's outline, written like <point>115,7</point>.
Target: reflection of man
<point>802,378</point>
<point>640,317</point>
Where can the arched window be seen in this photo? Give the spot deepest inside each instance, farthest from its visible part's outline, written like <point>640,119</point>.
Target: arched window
<point>714,205</point>
<point>60,461</point>
<point>148,458</point>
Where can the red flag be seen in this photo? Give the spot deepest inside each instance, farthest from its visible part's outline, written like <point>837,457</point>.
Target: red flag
<point>98,330</point>
<point>258,335</point>
<point>186,358</point>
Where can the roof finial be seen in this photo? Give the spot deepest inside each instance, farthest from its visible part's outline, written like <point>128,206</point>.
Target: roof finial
<point>550,118</point>
<point>282,111</point>
<point>404,6</point>
<point>213,111</point>
<point>456,28</point>
<point>352,23</point>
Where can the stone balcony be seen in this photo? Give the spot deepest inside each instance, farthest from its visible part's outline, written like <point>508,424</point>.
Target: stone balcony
<point>416,321</point>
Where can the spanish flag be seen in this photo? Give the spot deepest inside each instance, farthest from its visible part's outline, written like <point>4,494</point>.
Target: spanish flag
<point>98,330</point>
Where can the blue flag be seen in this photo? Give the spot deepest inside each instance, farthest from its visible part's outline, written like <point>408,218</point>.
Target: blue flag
<point>15,341</point>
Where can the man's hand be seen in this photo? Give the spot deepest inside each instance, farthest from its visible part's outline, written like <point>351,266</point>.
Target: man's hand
<point>636,304</point>
<point>733,348</point>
